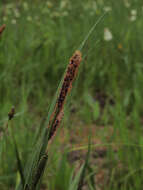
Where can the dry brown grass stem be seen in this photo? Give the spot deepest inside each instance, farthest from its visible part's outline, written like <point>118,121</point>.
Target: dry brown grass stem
<point>2,28</point>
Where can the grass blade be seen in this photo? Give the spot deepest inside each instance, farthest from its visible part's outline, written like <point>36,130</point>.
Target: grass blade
<point>74,183</point>
<point>39,171</point>
<point>91,30</point>
<point>19,164</point>
<point>84,168</point>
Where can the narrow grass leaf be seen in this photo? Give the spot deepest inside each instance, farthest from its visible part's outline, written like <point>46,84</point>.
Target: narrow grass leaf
<point>19,164</point>
<point>91,31</point>
<point>84,168</point>
<point>39,171</point>
<point>74,183</point>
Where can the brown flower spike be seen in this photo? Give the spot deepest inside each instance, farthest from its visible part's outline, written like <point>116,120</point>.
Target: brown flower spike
<point>55,124</point>
<point>11,113</point>
<point>69,77</point>
<point>2,28</point>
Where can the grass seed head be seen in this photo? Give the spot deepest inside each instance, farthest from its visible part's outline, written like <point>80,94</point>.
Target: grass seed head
<point>70,75</point>
<point>56,124</point>
<point>11,113</point>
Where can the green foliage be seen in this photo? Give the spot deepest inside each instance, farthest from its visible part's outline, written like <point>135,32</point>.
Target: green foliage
<point>34,50</point>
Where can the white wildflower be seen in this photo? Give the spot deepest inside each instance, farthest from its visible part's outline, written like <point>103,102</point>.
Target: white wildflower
<point>25,6</point>
<point>134,12</point>
<point>107,34</point>
<point>107,9</point>
<point>127,4</point>
<point>63,4</point>
<point>49,4</point>
<point>4,18</point>
<point>133,18</point>
<point>13,21</point>
<point>16,13</point>
<point>29,18</point>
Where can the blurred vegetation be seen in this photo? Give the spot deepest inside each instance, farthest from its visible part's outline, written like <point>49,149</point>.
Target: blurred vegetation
<point>35,48</point>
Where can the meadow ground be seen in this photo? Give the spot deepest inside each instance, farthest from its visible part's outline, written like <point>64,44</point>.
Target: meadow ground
<point>105,101</point>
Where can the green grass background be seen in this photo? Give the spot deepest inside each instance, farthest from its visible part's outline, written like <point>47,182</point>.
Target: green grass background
<point>35,48</point>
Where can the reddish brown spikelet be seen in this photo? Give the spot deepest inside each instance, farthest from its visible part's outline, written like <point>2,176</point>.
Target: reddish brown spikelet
<point>69,77</point>
<point>11,113</point>
<point>2,28</point>
<point>56,124</point>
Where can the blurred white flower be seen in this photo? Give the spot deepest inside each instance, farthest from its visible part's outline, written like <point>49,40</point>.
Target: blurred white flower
<point>134,12</point>
<point>107,34</point>
<point>127,4</point>
<point>133,18</point>
<point>29,18</point>
<point>13,21</point>
<point>16,13</point>
<point>25,6</point>
<point>63,4</point>
<point>4,18</point>
<point>107,9</point>
<point>49,4</point>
